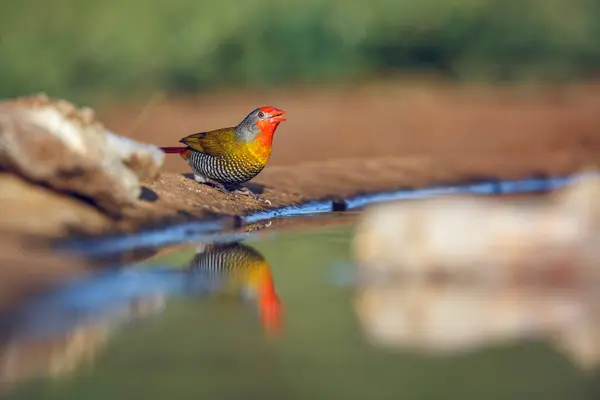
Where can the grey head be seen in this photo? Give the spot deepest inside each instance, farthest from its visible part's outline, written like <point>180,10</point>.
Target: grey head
<point>248,129</point>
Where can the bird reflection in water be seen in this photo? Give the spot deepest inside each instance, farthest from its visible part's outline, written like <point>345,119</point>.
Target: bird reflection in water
<point>57,332</point>
<point>234,269</point>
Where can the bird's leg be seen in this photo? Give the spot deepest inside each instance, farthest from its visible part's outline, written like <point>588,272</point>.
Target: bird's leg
<point>201,248</point>
<point>220,187</point>
<point>209,182</point>
<point>200,179</point>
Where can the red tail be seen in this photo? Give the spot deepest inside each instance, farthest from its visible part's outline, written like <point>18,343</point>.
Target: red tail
<point>174,150</point>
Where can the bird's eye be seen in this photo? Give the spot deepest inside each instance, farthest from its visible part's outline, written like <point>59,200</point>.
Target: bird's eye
<point>261,114</point>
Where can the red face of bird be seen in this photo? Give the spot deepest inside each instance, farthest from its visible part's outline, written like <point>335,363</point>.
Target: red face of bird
<point>260,124</point>
<point>268,118</point>
<point>263,120</point>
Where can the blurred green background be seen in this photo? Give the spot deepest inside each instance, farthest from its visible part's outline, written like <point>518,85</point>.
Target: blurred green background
<point>87,49</point>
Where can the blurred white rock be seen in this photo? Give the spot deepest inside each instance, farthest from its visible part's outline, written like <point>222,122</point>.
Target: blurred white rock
<point>484,237</point>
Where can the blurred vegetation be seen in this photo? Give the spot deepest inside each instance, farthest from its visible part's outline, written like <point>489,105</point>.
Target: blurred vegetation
<point>74,48</point>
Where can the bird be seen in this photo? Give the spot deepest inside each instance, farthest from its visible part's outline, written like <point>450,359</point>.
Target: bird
<point>227,157</point>
<point>235,269</point>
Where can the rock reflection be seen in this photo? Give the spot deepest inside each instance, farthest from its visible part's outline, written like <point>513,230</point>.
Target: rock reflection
<point>450,318</point>
<point>58,332</point>
<point>33,349</point>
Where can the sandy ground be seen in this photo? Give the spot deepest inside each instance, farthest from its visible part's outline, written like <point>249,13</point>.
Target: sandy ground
<point>376,137</point>
<point>338,143</point>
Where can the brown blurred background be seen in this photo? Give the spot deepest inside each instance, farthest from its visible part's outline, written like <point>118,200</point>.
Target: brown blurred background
<point>358,79</point>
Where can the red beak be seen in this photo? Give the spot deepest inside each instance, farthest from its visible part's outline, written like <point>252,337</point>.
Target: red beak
<point>277,116</point>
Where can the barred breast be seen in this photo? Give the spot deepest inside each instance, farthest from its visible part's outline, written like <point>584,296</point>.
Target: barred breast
<point>232,169</point>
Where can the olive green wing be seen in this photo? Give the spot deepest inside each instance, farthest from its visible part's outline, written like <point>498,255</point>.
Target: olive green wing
<point>216,143</point>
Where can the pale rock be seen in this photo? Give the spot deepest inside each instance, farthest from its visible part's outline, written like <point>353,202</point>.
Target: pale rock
<point>53,143</point>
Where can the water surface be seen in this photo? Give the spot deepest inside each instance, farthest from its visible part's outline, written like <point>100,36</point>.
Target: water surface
<point>163,330</point>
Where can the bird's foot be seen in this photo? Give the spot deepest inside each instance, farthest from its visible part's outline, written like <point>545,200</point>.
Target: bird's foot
<point>247,192</point>
<point>229,189</point>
